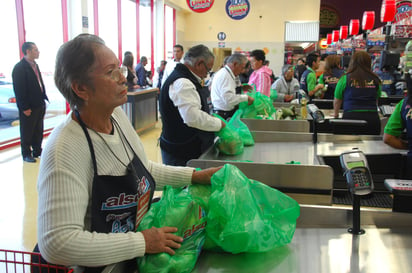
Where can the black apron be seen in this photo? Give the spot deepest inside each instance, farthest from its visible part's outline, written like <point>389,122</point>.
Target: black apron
<point>119,202</point>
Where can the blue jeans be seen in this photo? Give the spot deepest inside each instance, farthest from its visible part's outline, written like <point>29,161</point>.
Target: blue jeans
<point>170,159</point>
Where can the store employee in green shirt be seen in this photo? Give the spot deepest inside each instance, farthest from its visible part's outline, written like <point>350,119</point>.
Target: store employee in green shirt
<point>400,120</point>
<point>359,90</point>
<point>308,78</point>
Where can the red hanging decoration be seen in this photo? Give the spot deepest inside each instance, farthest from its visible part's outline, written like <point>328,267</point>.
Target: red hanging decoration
<point>354,27</point>
<point>388,10</point>
<point>368,20</point>
<point>329,38</point>
<point>335,36</point>
<point>343,33</point>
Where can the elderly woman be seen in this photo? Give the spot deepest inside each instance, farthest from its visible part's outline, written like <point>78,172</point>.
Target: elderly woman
<point>286,86</point>
<point>359,90</point>
<point>95,181</point>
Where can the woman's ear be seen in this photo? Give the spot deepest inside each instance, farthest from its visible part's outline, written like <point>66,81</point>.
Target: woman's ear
<point>80,90</point>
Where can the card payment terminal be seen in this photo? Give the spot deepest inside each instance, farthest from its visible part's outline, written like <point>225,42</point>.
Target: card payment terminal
<point>357,172</point>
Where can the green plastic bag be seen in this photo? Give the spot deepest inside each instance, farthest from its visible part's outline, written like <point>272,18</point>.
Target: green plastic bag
<point>261,107</point>
<point>229,142</point>
<point>241,128</point>
<point>246,215</point>
<point>176,209</point>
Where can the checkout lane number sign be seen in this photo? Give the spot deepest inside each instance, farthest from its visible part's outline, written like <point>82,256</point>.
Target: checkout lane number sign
<point>237,9</point>
<point>200,5</point>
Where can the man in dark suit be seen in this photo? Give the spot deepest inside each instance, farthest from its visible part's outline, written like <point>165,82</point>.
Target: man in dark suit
<point>30,96</point>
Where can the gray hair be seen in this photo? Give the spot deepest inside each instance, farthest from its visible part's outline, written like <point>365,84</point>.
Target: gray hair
<point>74,62</point>
<point>285,68</point>
<point>237,58</point>
<point>198,53</point>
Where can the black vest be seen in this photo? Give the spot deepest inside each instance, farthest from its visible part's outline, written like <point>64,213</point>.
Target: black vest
<point>177,138</point>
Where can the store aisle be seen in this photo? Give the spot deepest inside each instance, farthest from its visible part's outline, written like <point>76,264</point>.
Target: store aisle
<point>18,194</point>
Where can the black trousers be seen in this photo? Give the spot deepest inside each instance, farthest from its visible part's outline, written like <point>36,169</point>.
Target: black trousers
<point>372,118</point>
<point>31,131</point>
<point>224,114</point>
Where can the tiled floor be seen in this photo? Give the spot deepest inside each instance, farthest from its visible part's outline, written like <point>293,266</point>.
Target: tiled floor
<point>18,194</point>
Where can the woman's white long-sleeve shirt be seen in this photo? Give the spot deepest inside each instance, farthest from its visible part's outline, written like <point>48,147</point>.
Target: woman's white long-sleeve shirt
<point>65,186</point>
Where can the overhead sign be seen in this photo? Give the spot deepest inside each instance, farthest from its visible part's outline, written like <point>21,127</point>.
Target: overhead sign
<point>237,9</point>
<point>323,44</point>
<point>200,5</point>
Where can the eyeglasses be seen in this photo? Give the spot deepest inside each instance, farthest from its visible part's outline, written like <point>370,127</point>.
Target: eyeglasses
<point>118,72</point>
<point>207,68</point>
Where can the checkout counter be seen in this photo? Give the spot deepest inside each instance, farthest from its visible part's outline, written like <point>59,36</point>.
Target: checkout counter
<point>321,242</point>
<point>142,108</point>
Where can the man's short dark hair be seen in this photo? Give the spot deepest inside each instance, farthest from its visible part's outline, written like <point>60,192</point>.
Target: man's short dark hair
<point>143,59</point>
<point>178,46</point>
<point>312,57</point>
<point>27,46</point>
<point>258,54</point>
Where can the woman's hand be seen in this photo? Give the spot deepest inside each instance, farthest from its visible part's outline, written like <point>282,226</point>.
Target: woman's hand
<point>162,239</point>
<point>204,176</point>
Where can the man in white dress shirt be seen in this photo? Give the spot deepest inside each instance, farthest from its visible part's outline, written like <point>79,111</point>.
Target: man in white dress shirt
<point>224,84</point>
<point>177,58</point>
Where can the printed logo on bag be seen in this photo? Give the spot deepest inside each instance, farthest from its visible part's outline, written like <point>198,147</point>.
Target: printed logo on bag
<point>200,5</point>
<point>194,229</point>
<point>237,9</point>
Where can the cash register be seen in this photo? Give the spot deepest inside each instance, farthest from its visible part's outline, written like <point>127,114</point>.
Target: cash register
<point>402,194</point>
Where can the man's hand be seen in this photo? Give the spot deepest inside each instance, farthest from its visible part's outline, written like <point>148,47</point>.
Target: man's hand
<point>27,112</point>
<point>247,88</point>
<point>288,98</point>
<point>162,239</point>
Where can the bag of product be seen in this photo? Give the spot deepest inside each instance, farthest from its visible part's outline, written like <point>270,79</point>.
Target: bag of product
<point>245,215</point>
<point>176,208</point>
<point>229,142</point>
<point>241,128</point>
<point>262,107</point>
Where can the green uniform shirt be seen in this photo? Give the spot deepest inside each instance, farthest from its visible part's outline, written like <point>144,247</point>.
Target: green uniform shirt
<point>311,80</point>
<point>341,86</point>
<point>395,126</point>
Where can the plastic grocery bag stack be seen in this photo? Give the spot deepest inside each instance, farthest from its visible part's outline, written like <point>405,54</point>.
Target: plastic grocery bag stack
<point>234,214</point>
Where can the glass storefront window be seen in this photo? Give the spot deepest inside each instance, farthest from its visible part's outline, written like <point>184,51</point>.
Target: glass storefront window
<point>107,10</point>
<point>145,32</point>
<point>10,50</point>
<point>129,32</point>
<point>169,33</point>
<point>36,25</point>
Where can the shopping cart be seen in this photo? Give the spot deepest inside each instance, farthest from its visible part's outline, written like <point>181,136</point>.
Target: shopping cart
<point>12,261</point>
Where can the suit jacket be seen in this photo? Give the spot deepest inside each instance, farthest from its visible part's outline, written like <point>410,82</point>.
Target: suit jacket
<point>26,86</point>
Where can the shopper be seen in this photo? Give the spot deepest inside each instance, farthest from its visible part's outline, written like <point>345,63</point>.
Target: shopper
<point>95,182</point>
<point>177,58</point>
<point>141,72</point>
<point>158,76</point>
<point>287,87</point>
<point>401,119</point>
<point>260,77</point>
<point>188,128</point>
<point>128,61</point>
<point>330,77</point>
<point>359,90</point>
<point>30,96</point>
<point>223,92</point>
<point>308,78</point>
